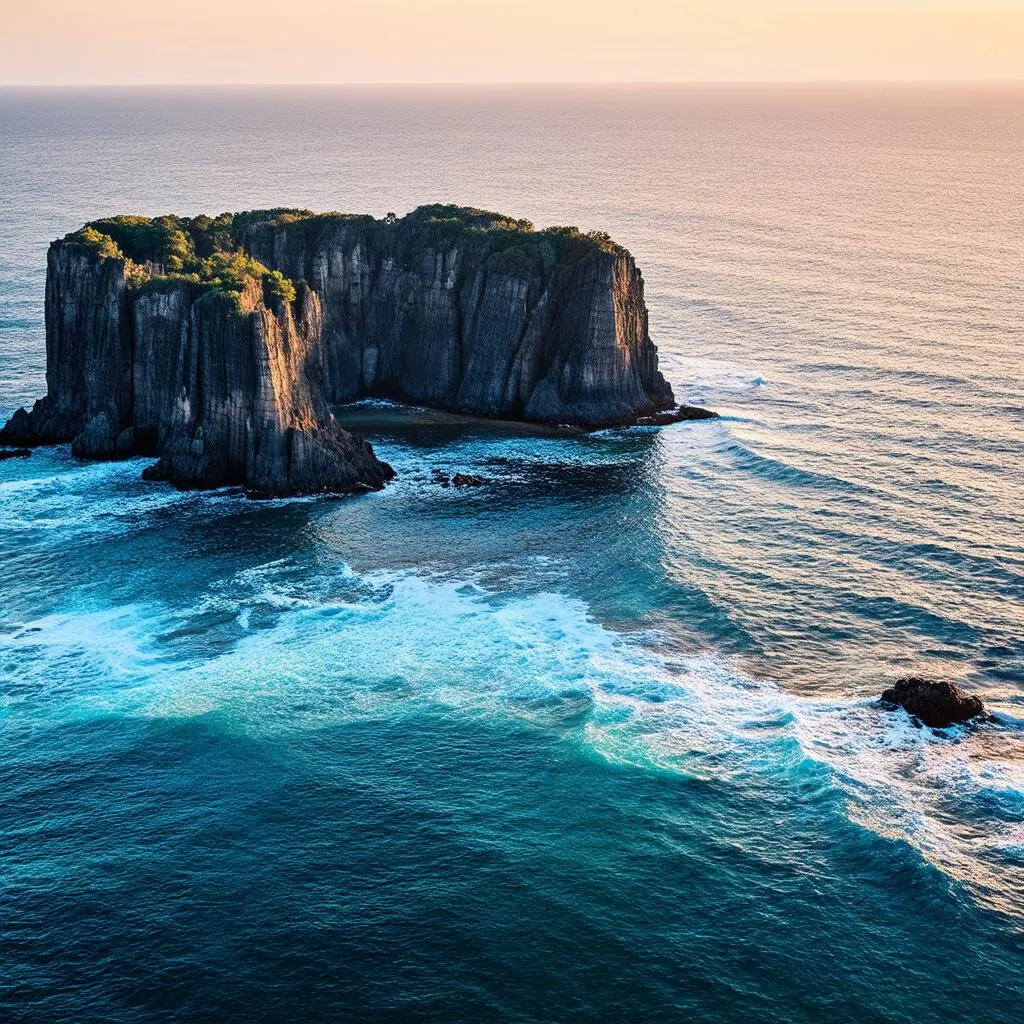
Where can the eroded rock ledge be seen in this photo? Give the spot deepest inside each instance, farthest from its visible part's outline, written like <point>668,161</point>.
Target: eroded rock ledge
<point>218,344</point>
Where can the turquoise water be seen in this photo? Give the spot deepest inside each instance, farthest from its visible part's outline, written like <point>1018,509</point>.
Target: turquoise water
<point>596,741</point>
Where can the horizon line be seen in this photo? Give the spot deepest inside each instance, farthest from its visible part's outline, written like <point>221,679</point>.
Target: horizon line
<point>465,83</point>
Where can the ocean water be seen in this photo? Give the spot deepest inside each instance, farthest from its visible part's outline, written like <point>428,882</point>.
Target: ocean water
<point>598,741</point>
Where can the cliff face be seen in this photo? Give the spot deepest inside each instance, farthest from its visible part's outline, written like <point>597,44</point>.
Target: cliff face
<point>442,308</point>
<point>246,404</point>
<point>217,344</point>
<point>222,386</point>
<point>88,351</point>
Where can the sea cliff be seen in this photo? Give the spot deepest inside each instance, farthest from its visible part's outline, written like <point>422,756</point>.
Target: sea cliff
<point>217,344</point>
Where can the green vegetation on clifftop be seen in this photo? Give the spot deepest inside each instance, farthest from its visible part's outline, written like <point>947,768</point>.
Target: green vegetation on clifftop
<point>200,252</point>
<point>209,254</point>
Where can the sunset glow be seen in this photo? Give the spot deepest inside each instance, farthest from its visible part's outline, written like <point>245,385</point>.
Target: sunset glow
<point>325,41</point>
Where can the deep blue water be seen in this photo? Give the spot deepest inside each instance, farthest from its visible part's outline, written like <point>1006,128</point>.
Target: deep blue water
<point>597,741</point>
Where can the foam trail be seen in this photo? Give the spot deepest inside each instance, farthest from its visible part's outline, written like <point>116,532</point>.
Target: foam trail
<point>296,653</point>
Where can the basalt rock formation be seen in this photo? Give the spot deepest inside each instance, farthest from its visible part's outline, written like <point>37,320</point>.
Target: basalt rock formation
<point>937,703</point>
<point>217,344</point>
<point>215,373</point>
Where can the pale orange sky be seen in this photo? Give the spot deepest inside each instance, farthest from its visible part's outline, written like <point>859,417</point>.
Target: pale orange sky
<point>320,41</point>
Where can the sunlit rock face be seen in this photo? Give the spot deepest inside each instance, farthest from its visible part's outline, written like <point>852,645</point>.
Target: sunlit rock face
<point>217,344</point>
<point>249,409</point>
<point>223,384</point>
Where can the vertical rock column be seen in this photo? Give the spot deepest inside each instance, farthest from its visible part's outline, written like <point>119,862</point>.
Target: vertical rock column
<point>88,357</point>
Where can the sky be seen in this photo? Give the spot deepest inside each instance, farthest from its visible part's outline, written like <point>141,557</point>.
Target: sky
<point>106,42</point>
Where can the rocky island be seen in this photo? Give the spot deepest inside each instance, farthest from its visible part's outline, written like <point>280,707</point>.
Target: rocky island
<point>217,345</point>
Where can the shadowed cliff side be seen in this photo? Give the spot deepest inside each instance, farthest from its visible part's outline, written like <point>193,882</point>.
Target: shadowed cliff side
<point>472,312</point>
<point>216,343</point>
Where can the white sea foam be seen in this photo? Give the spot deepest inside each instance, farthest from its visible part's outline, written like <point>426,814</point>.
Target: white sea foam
<point>95,498</point>
<point>308,652</point>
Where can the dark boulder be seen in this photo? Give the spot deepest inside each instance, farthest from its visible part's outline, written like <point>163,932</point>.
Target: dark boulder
<point>18,429</point>
<point>694,412</point>
<point>678,415</point>
<point>14,453</point>
<point>937,703</point>
<point>439,476</point>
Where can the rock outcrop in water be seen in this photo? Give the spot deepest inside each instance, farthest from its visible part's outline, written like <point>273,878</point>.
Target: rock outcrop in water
<point>218,374</point>
<point>217,344</point>
<point>937,703</point>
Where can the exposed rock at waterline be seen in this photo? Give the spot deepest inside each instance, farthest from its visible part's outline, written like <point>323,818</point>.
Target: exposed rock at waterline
<point>439,476</point>
<point>936,703</point>
<point>14,453</point>
<point>680,414</point>
<point>468,480</point>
